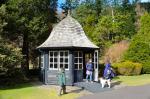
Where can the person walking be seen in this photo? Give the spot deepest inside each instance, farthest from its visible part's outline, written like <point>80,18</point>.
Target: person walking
<point>89,71</point>
<point>62,81</point>
<point>108,72</point>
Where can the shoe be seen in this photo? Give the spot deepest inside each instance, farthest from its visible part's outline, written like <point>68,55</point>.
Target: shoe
<point>59,94</point>
<point>92,82</point>
<point>65,93</point>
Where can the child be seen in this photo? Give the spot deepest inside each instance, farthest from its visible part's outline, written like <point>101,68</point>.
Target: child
<point>62,81</point>
<point>89,70</point>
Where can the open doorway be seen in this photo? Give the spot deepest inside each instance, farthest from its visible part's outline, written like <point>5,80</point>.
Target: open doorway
<point>94,57</point>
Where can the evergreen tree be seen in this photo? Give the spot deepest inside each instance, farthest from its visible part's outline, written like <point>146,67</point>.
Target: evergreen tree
<point>31,19</point>
<point>140,45</point>
<point>69,5</point>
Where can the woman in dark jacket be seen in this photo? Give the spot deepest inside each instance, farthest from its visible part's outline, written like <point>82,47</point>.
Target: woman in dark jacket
<point>108,73</point>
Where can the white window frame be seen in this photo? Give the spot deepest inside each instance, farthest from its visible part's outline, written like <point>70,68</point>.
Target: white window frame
<point>78,63</point>
<point>64,57</point>
<point>42,60</point>
<point>96,52</point>
<point>58,59</point>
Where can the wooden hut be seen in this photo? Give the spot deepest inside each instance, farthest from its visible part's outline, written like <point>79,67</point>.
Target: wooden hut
<point>68,47</point>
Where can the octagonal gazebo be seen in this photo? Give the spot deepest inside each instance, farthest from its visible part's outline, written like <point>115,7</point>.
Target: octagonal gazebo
<point>68,47</point>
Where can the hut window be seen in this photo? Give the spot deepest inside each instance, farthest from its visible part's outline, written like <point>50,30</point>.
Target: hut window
<point>58,59</point>
<point>64,56</point>
<point>42,60</point>
<point>78,60</point>
<point>53,59</point>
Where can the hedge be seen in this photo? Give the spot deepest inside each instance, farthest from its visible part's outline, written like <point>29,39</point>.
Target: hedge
<point>127,68</point>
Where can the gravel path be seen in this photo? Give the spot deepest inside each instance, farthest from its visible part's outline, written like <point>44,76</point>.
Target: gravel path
<point>136,92</point>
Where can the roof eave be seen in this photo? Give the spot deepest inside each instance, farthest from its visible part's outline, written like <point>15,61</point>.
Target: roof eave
<point>67,47</point>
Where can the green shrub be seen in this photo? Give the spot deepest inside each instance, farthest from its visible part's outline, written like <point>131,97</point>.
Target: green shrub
<point>10,61</point>
<point>146,68</point>
<point>127,68</point>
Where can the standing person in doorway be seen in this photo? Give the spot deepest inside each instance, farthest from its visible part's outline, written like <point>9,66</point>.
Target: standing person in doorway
<point>89,71</point>
<point>62,81</point>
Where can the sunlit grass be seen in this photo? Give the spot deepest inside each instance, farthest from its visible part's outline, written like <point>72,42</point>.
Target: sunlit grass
<point>34,93</point>
<point>134,80</point>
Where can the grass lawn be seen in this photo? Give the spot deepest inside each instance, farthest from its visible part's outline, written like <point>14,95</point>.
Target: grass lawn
<point>33,92</point>
<point>134,80</point>
<point>29,91</point>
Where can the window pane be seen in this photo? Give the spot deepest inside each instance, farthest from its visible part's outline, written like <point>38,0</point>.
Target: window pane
<point>95,59</point>
<point>51,54</point>
<point>61,53</point>
<point>61,65</point>
<point>41,60</point>
<point>80,60</point>
<point>80,66</point>
<point>66,66</point>
<point>51,59</point>
<point>41,65</point>
<point>55,65</point>
<point>55,54</point>
<point>51,65</point>
<point>95,65</point>
<point>76,66</point>
<point>76,60</point>
<point>61,59</point>
<point>95,54</point>
<point>55,59</point>
<point>80,54</point>
<point>76,54</point>
<point>66,60</point>
<point>66,53</point>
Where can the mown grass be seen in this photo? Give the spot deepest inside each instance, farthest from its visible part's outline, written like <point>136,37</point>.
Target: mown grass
<point>134,80</point>
<point>33,92</point>
<point>29,91</point>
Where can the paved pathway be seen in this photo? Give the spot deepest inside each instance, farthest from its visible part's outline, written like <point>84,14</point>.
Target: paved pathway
<point>136,92</point>
<point>92,87</point>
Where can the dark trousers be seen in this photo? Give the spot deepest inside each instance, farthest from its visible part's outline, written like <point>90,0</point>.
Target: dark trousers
<point>62,88</point>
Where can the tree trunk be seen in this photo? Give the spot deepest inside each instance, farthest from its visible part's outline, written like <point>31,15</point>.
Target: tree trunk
<point>25,52</point>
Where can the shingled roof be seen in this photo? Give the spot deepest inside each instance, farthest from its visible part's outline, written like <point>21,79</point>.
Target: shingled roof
<point>68,33</point>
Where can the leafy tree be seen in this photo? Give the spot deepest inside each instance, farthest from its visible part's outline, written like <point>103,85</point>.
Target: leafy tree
<point>140,45</point>
<point>115,29</point>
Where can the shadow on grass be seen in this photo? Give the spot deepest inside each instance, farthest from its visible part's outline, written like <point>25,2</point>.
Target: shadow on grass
<point>21,85</point>
<point>115,83</point>
<point>77,90</point>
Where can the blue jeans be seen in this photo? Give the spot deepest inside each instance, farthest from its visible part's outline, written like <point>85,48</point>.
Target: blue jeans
<point>89,75</point>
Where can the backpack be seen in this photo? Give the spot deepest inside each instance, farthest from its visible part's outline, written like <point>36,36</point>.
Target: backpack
<point>108,74</point>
